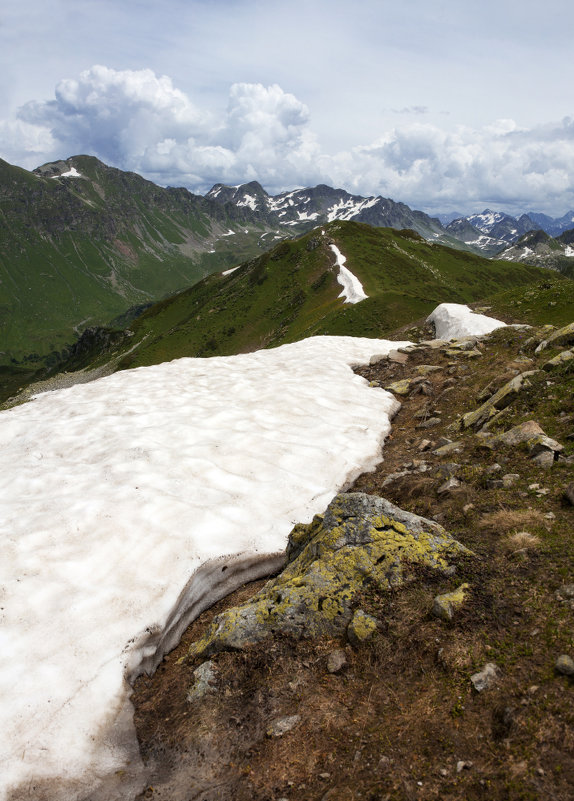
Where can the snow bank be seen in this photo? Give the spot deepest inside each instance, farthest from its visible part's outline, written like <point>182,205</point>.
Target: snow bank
<point>353,291</point>
<point>131,503</point>
<point>453,320</point>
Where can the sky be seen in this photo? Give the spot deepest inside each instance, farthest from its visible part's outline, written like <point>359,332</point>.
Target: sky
<point>446,106</point>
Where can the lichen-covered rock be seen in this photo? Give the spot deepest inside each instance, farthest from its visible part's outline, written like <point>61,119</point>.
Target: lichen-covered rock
<point>361,628</point>
<point>518,434</point>
<point>402,387</point>
<point>540,443</point>
<point>446,605</point>
<point>558,361</point>
<point>360,538</point>
<point>564,336</point>
<point>500,400</point>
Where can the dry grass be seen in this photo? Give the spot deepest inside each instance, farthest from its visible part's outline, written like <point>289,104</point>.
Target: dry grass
<point>520,542</point>
<point>505,520</point>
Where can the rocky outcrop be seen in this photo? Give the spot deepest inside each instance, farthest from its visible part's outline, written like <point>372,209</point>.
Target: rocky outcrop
<point>361,538</point>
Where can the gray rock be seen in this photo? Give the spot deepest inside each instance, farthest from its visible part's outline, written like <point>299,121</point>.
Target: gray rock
<point>540,443</point>
<point>518,434</point>
<point>500,400</point>
<point>336,661</point>
<point>205,677</point>
<point>486,678</point>
<point>430,423</point>
<point>565,665</point>
<point>281,726</point>
<point>510,479</point>
<point>558,361</point>
<point>397,357</point>
<point>450,447</point>
<point>544,459</point>
<point>449,485</point>
<point>564,336</point>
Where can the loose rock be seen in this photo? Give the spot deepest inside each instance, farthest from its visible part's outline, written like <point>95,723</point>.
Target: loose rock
<point>486,678</point>
<point>565,665</point>
<point>361,628</point>
<point>446,605</point>
<point>336,661</point>
<point>281,726</point>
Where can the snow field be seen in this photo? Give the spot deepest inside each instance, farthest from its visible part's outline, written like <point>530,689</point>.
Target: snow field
<point>133,502</point>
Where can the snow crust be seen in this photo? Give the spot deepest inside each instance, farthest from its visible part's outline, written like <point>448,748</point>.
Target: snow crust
<point>569,251</point>
<point>132,503</point>
<point>353,291</point>
<point>232,270</point>
<point>454,320</point>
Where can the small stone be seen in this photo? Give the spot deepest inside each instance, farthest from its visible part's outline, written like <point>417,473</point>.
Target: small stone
<point>397,357</point>
<point>565,665</point>
<point>424,445</point>
<point>378,357</point>
<point>468,507</point>
<point>430,423</point>
<point>324,776</point>
<point>450,447</point>
<point>541,443</point>
<point>205,677</point>
<point>495,483</point>
<point>445,606</point>
<point>427,369</point>
<point>565,592</point>
<point>336,661</point>
<point>463,765</point>
<point>493,468</point>
<point>569,493</point>
<point>402,387</point>
<point>361,628</point>
<point>558,361</point>
<point>510,479</point>
<point>486,678</point>
<point>281,726</point>
<point>449,485</point>
<point>443,772</point>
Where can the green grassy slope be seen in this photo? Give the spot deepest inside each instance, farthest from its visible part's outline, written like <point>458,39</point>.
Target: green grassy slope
<point>292,292</point>
<point>80,251</point>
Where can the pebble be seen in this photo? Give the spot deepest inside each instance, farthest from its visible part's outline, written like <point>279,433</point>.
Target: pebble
<point>486,678</point>
<point>565,665</point>
<point>336,661</point>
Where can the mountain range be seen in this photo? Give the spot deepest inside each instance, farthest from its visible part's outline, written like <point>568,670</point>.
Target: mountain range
<point>84,244</point>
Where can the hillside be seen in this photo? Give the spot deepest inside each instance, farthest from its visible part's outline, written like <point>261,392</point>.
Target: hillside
<point>292,292</point>
<point>82,242</point>
<point>540,249</point>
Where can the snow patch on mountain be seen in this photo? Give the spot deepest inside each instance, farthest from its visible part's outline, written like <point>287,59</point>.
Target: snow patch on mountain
<point>353,291</point>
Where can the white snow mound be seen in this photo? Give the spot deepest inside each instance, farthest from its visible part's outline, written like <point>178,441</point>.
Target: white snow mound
<point>454,320</point>
<point>132,503</point>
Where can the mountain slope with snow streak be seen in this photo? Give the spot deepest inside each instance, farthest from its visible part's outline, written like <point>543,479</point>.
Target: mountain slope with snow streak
<point>128,502</point>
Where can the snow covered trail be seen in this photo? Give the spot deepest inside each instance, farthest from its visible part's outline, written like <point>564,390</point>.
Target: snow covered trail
<point>131,503</point>
<point>353,291</point>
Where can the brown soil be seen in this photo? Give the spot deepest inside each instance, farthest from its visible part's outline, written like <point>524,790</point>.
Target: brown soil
<point>402,721</point>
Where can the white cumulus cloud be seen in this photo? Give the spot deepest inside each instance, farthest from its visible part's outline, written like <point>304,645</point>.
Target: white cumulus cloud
<point>135,120</point>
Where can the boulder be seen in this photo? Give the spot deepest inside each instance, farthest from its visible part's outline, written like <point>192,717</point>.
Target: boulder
<point>558,361</point>
<point>500,400</point>
<point>360,538</point>
<point>564,336</point>
<point>518,434</point>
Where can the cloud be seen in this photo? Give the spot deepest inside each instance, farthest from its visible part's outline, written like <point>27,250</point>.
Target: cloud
<point>135,120</point>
